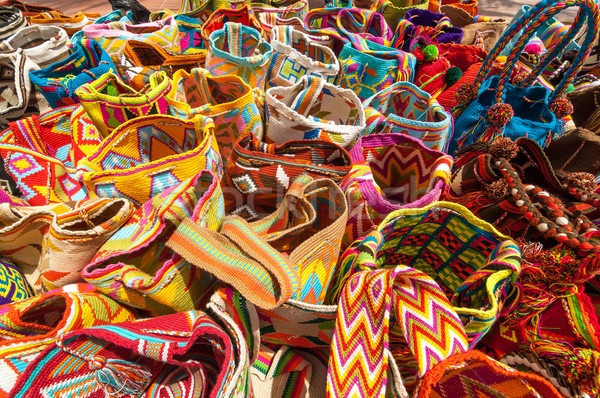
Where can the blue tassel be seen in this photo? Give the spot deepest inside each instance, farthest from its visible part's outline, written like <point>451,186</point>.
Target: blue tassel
<point>120,377</point>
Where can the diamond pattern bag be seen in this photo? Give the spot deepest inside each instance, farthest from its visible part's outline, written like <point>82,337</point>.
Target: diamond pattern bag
<point>13,286</point>
<point>243,15</point>
<point>148,154</point>
<point>228,100</point>
<point>314,109</point>
<point>406,109</point>
<point>258,174</point>
<point>295,54</point>
<point>390,172</point>
<point>239,50</point>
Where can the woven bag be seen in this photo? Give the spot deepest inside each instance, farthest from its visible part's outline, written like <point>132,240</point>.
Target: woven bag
<point>70,24</point>
<point>113,36</point>
<point>271,12</point>
<point>492,107</point>
<point>239,50</point>
<point>391,172</point>
<point>367,68</point>
<point>209,6</point>
<point>36,154</point>
<point>58,82</point>
<point>14,286</point>
<point>395,10</point>
<point>258,174</point>
<point>243,15</point>
<point>478,30</point>
<point>296,55</point>
<point>12,20</point>
<point>44,45</point>
<point>143,59</point>
<point>314,109</point>
<point>110,103</point>
<point>307,227</point>
<point>404,108</point>
<point>164,356</point>
<point>52,244</point>
<point>29,326</point>
<point>21,99</point>
<point>474,264</point>
<point>146,155</point>
<point>228,100</point>
<point>136,268</point>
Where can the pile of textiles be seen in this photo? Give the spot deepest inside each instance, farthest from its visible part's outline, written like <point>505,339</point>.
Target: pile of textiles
<point>260,198</point>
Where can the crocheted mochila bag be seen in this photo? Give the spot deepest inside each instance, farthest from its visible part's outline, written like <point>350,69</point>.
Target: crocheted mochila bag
<point>314,109</point>
<point>135,267</point>
<point>164,356</point>
<point>160,152</point>
<point>258,174</point>
<point>391,171</point>
<point>13,286</point>
<point>52,244</point>
<point>29,326</point>
<point>492,107</point>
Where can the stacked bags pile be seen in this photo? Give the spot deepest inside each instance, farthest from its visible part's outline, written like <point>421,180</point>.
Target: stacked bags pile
<point>257,198</point>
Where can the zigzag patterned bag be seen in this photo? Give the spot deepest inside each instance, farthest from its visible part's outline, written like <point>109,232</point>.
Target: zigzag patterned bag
<point>313,109</point>
<point>295,54</point>
<point>110,103</point>
<point>474,264</point>
<point>243,15</point>
<point>258,174</point>
<point>239,50</point>
<point>135,267</point>
<point>146,155</point>
<point>391,172</point>
<point>228,100</point>
<point>404,108</point>
<point>13,286</point>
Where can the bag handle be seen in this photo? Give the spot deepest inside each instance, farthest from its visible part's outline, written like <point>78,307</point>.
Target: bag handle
<point>361,22</point>
<point>235,35</point>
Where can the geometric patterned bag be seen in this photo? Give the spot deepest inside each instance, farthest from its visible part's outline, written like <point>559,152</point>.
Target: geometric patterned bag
<point>238,50</point>
<point>473,263</point>
<point>389,172</point>
<point>314,109</point>
<point>228,100</point>
<point>146,155</point>
<point>242,15</point>
<point>405,108</point>
<point>13,286</point>
<point>110,103</point>
<point>295,54</point>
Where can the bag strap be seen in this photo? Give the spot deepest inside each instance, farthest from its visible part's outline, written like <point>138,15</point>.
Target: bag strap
<point>360,367</point>
<point>235,34</point>
<point>240,257</point>
<point>363,22</point>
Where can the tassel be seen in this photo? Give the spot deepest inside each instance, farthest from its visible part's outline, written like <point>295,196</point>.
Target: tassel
<point>120,377</point>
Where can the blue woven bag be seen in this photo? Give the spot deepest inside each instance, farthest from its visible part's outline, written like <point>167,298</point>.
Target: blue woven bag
<point>492,106</point>
<point>58,82</point>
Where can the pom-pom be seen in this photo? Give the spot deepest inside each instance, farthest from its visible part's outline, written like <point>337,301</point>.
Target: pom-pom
<point>533,48</point>
<point>503,147</point>
<point>452,75</point>
<point>466,94</point>
<point>500,114</point>
<point>562,107</point>
<point>431,52</point>
<point>582,180</point>
<point>498,190</point>
<point>519,77</point>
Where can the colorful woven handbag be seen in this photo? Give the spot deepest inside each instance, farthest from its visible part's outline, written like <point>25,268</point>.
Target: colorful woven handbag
<point>142,59</point>
<point>258,175</point>
<point>110,103</point>
<point>391,172</point>
<point>13,286</point>
<point>307,227</point>
<point>229,101</point>
<point>314,109</point>
<point>29,326</point>
<point>368,68</point>
<point>404,108</point>
<point>492,107</point>
<point>239,50</point>
<point>36,153</point>
<point>51,244</point>
<point>188,352</point>
<point>243,15</point>
<point>210,6</point>
<point>112,37</point>
<point>136,268</point>
<point>296,55</point>
<point>71,24</point>
<point>474,264</point>
<point>44,45</point>
<point>395,10</point>
<point>146,155</point>
<point>271,12</point>
<point>58,82</point>
<point>21,97</point>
